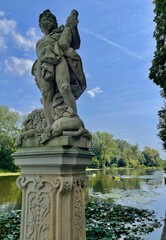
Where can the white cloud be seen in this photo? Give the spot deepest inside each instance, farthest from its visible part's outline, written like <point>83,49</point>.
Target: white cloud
<point>87,75</point>
<point>94,91</point>
<point>2,14</point>
<point>2,43</point>
<point>8,29</point>
<point>124,49</point>
<point>26,42</point>
<point>18,66</point>
<point>7,26</point>
<point>32,33</point>
<point>22,41</point>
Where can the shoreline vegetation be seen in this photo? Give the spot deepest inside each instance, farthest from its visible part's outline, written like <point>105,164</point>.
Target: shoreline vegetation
<point>108,151</point>
<point>8,174</point>
<point>4,173</point>
<point>111,152</point>
<point>121,168</point>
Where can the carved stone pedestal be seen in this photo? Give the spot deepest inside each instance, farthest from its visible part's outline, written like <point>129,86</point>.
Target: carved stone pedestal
<point>52,183</point>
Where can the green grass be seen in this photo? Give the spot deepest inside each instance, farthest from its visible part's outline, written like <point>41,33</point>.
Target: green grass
<point>7,173</point>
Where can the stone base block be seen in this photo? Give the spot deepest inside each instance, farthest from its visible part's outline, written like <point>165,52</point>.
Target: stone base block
<point>81,142</point>
<point>52,183</point>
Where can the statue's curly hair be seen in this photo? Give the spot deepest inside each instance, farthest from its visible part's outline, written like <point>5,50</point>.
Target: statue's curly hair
<point>47,13</point>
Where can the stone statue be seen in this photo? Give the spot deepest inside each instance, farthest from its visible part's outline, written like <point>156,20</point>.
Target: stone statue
<point>59,75</point>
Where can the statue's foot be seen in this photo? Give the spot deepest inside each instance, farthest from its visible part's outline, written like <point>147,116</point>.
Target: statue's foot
<point>46,135</point>
<point>18,142</point>
<point>44,138</point>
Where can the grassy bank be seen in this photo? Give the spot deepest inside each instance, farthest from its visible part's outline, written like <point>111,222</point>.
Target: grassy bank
<point>6,173</point>
<point>9,174</point>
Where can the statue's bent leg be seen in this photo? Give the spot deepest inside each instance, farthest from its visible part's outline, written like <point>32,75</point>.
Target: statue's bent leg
<point>63,84</point>
<point>47,106</point>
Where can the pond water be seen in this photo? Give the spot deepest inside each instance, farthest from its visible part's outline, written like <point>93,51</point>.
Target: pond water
<point>137,188</point>
<point>10,195</point>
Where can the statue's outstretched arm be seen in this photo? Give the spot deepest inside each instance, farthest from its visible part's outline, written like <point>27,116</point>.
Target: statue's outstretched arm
<point>72,22</point>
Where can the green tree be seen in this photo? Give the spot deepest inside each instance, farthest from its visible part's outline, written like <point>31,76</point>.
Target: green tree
<point>9,129</point>
<point>130,155</point>
<point>158,69</point>
<point>9,121</point>
<point>6,149</point>
<point>122,162</point>
<point>104,147</point>
<point>162,125</point>
<point>95,162</point>
<point>117,152</point>
<point>152,157</point>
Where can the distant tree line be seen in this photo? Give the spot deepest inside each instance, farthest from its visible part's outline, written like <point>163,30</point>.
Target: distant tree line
<point>107,151</point>
<point>111,152</point>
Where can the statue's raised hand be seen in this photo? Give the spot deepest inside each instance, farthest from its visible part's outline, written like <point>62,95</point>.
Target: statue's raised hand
<point>72,20</point>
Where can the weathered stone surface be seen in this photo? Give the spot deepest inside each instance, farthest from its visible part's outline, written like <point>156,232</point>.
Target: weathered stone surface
<point>54,146</point>
<point>52,160</point>
<point>52,183</point>
<point>60,78</point>
<point>82,142</point>
<point>54,207</point>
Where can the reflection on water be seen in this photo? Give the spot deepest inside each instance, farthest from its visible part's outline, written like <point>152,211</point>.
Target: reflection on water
<point>126,179</point>
<point>126,186</point>
<point>10,195</point>
<point>140,188</point>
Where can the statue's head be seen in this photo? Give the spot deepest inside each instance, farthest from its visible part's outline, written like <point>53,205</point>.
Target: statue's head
<point>47,21</point>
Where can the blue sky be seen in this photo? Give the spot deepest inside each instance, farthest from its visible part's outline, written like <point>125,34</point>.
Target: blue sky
<point>117,47</point>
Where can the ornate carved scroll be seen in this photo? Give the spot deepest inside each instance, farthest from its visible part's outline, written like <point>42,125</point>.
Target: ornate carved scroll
<point>52,206</point>
<point>39,200</point>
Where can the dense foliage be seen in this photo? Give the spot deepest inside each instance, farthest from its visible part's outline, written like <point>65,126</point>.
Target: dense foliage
<point>6,149</point>
<point>107,150</point>
<point>119,153</point>
<point>162,125</point>
<point>158,68</point>
<point>103,221</point>
<point>9,129</point>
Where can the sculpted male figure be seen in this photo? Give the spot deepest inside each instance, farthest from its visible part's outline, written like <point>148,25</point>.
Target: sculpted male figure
<point>60,78</point>
<point>58,68</point>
